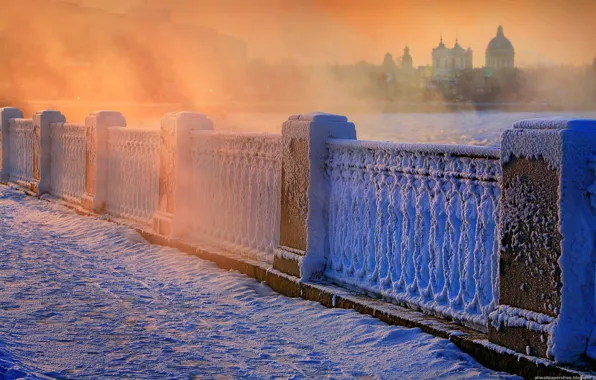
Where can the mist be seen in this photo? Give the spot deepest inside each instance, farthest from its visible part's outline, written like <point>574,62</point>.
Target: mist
<point>146,58</point>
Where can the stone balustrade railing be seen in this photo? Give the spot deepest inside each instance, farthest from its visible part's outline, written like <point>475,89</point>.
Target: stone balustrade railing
<point>67,160</point>
<point>502,240</point>
<point>23,167</point>
<point>235,189</point>
<point>416,224</point>
<point>133,173</point>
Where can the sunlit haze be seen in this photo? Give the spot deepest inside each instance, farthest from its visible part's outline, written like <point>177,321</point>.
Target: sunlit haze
<point>289,56</point>
<point>347,31</point>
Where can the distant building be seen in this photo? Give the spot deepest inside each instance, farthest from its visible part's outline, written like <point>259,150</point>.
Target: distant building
<point>447,63</point>
<point>500,53</point>
<point>388,62</point>
<point>389,68</point>
<point>406,60</point>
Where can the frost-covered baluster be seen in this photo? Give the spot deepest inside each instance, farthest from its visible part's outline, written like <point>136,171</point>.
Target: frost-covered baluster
<point>96,186</point>
<point>548,253</point>
<point>303,247</point>
<point>6,114</point>
<point>43,120</point>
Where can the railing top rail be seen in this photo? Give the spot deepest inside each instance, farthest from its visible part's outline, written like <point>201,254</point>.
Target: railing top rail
<point>19,120</point>
<point>133,131</point>
<point>472,151</point>
<point>73,125</point>
<point>67,125</point>
<point>236,135</point>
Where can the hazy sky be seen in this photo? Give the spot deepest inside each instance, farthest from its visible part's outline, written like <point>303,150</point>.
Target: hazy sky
<point>542,31</point>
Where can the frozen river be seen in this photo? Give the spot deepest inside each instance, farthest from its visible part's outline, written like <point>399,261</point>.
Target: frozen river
<point>84,298</point>
<point>468,128</point>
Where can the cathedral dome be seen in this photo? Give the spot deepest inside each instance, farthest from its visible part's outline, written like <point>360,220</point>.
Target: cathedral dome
<point>500,42</point>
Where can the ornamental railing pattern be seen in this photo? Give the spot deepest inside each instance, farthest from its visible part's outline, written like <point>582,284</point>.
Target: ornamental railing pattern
<point>133,173</point>
<point>68,144</point>
<point>235,191</point>
<point>24,151</point>
<point>417,224</point>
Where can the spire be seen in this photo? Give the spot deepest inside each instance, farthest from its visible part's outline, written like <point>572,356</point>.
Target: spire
<point>500,31</point>
<point>456,42</point>
<point>441,44</point>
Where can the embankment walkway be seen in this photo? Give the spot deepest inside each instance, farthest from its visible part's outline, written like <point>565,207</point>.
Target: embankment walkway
<point>82,297</point>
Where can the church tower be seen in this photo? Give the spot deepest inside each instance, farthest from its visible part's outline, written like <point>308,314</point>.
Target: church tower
<point>441,64</point>
<point>447,63</point>
<point>388,63</point>
<point>406,60</point>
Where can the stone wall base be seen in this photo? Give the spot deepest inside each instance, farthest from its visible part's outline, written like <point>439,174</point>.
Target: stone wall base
<point>88,203</point>
<point>521,330</point>
<point>162,223</point>
<point>288,261</point>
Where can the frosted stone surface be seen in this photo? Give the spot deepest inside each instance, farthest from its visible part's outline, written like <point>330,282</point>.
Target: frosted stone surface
<point>68,142</point>
<point>24,150</point>
<point>416,224</point>
<point>133,173</point>
<point>235,191</point>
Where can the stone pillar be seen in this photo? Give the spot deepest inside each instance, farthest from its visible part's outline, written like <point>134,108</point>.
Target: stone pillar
<point>6,114</point>
<point>96,173</point>
<point>303,242</point>
<point>548,229</point>
<point>42,121</point>
<point>174,166</point>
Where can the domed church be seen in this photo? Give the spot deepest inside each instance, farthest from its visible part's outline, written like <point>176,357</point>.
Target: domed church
<point>500,53</point>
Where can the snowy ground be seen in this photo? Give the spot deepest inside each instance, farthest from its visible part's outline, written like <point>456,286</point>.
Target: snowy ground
<point>80,297</point>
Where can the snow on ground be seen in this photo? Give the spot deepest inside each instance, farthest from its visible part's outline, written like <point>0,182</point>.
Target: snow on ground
<point>81,297</point>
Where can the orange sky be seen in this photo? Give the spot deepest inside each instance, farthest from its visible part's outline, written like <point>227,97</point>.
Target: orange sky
<point>346,31</point>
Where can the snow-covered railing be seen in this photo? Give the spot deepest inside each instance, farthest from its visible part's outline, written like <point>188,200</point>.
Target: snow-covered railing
<point>438,228</point>
<point>133,173</point>
<point>416,224</point>
<point>24,151</point>
<point>67,156</point>
<point>235,184</point>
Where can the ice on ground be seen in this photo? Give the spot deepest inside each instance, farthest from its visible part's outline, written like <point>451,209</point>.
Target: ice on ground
<point>80,297</point>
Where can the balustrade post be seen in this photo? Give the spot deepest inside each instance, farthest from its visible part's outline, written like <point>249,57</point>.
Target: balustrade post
<point>42,121</point>
<point>547,255</point>
<point>303,242</point>
<point>97,158</point>
<point>6,114</point>
<point>174,170</point>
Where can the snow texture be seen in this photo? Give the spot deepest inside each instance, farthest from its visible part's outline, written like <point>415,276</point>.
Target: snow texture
<point>514,317</point>
<point>533,144</point>
<point>83,298</point>
<point>68,165</point>
<point>24,150</point>
<point>133,173</point>
<point>235,191</point>
<point>569,146</point>
<point>417,225</point>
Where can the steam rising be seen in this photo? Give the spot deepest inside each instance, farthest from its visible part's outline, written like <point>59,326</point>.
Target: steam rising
<point>149,57</point>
